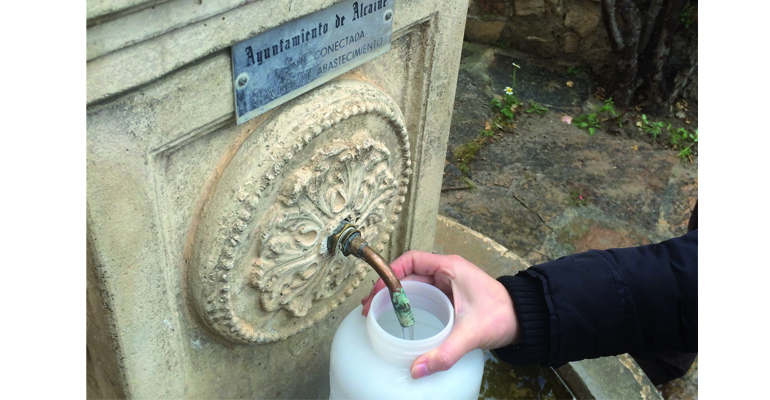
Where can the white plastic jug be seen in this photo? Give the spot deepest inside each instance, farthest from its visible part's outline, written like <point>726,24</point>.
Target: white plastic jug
<point>367,362</point>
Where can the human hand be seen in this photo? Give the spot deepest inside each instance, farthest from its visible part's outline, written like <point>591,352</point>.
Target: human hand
<point>484,314</point>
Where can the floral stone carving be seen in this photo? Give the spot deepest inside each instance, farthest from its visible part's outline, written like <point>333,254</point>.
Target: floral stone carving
<point>260,268</point>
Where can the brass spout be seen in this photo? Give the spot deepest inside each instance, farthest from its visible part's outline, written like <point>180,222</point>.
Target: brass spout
<point>348,240</point>
<point>376,261</point>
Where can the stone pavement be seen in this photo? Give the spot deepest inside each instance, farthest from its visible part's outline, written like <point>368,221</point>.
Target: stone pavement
<point>547,189</point>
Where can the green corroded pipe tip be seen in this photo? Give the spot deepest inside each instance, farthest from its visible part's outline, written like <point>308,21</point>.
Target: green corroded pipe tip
<point>403,310</point>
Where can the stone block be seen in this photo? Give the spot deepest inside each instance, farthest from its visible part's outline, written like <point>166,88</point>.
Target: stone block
<point>480,31</point>
<point>529,7</point>
<point>184,205</point>
<point>497,7</point>
<point>532,34</point>
<point>583,17</point>
<point>570,42</point>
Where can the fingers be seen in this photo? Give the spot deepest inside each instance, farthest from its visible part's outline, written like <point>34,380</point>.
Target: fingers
<point>419,278</point>
<point>418,262</point>
<point>443,357</point>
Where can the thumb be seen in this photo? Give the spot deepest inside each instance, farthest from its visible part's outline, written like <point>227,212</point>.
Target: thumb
<point>443,357</point>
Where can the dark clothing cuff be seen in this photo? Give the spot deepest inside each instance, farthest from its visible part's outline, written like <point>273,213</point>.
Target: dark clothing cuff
<point>532,315</point>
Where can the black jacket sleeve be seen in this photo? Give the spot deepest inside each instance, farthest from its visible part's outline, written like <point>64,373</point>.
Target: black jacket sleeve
<point>639,300</point>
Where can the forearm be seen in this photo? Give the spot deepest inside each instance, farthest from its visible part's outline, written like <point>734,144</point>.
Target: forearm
<point>638,300</point>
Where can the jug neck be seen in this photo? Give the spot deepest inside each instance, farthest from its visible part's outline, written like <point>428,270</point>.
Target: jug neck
<point>400,351</point>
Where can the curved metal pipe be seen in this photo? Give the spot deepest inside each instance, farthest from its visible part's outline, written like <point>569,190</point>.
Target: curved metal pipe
<point>348,239</point>
<point>376,261</point>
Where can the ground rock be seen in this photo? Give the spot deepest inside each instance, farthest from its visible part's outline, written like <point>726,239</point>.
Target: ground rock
<point>532,34</point>
<point>583,17</point>
<point>499,7</point>
<point>483,31</point>
<point>528,7</point>
<point>570,42</point>
<point>557,8</point>
<point>569,30</point>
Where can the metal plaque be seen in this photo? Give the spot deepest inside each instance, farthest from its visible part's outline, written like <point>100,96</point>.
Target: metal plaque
<point>291,59</point>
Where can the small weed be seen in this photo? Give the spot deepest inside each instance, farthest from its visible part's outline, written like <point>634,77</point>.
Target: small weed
<point>466,152</point>
<point>591,121</point>
<point>654,127</point>
<point>576,70</point>
<point>501,44</point>
<point>609,105</point>
<point>577,199</point>
<point>587,121</point>
<point>684,140</point>
<point>686,16</point>
<point>469,182</point>
<point>536,108</point>
<point>464,168</point>
<point>487,133</point>
<point>506,108</point>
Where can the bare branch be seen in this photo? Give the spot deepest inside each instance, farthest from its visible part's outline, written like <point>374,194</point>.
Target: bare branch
<point>609,6</point>
<point>628,61</point>
<point>650,22</point>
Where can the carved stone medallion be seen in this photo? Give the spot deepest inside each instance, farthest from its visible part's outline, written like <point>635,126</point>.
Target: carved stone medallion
<point>260,269</point>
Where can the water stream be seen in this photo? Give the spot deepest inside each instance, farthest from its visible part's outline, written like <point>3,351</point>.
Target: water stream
<point>408,332</point>
<point>425,325</point>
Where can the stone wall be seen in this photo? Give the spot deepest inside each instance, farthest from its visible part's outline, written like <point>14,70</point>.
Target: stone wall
<point>569,30</point>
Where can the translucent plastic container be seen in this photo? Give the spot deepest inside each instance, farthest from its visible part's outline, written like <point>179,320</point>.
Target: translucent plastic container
<point>367,362</point>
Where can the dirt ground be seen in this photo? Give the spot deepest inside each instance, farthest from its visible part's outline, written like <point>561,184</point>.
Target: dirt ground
<point>546,188</point>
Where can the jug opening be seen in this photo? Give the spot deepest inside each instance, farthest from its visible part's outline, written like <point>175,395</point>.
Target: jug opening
<point>433,320</point>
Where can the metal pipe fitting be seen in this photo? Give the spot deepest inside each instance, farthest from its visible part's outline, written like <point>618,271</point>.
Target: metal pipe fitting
<point>347,239</point>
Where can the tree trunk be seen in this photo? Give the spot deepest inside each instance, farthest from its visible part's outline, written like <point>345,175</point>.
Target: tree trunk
<point>643,40</point>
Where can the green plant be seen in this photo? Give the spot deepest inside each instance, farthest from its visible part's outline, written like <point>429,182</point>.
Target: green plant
<point>464,168</point>
<point>686,16</point>
<point>684,140</point>
<point>653,127</point>
<point>469,182</point>
<point>536,108</point>
<point>577,199</point>
<point>609,105</point>
<point>506,107</point>
<point>500,44</point>
<point>588,121</point>
<point>576,70</point>
<point>487,133</point>
<point>467,151</point>
<point>591,121</point>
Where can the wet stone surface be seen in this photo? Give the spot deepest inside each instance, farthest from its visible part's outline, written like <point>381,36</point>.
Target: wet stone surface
<point>684,388</point>
<point>544,86</point>
<point>547,189</point>
<point>502,381</point>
